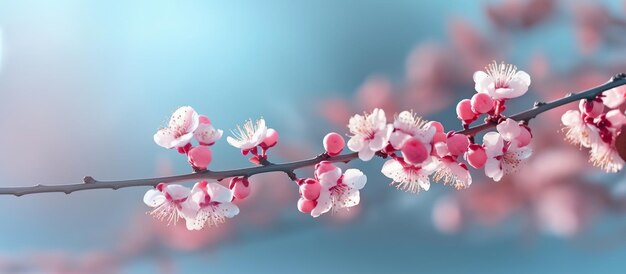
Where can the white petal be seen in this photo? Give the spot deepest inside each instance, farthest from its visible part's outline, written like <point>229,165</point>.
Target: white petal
<point>377,118</point>
<point>483,83</point>
<point>194,224</point>
<point>177,192</point>
<point>356,143</point>
<point>154,198</point>
<point>366,154</point>
<point>234,142</point>
<point>493,144</point>
<point>493,169</point>
<point>182,140</point>
<point>351,198</point>
<point>189,209</point>
<point>571,118</point>
<point>229,209</point>
<point>424,184</point>
<point>219,193</point>
<point>613,98</point>
<point>324,203</point>
<point>354,178</point>
<point>508,129</point>
<point>329,178</point>
<point>164,137</point>
<point>380,139</point>
<point>616,118</point>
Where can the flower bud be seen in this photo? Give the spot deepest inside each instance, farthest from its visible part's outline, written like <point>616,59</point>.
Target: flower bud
<point>333,143</point>
<point>310,189</point>
<point>306,206</point>
<point>323,167</point>
<point>476,156</point>
<point>464,110</point>
<point>414,151</point>
<point>240,187</point>
<point>457,144</point>
<point>481,103</point>
<point>200,157</point>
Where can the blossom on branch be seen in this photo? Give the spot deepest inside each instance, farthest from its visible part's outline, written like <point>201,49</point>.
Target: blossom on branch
<point>501,81</point>
<point>180,129</point>
<point>169,201</point>
<point>370,133</point>
<point>209,205</point>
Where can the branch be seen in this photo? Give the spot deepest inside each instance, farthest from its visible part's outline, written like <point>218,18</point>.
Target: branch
<point>288,168</point>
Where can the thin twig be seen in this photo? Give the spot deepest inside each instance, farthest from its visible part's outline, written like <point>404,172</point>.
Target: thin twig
<point>288,168</point>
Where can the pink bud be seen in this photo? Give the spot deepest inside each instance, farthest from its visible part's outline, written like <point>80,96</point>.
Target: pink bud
<point>333,143</point>
<point>240,187</point>
<point>476,156</point>
<point>323,167</point>
<point>457,144</point>
<point>306,206</point>
<point>438,126</point>
<point>591,108</point>
<point>200,157</point>
<point>481,103</point>
<point>524,137</point>
<point>414,151</point>
<point>204,120</point>
<point>439,137</point>
<point>271,138</point>
<point>310,189</point>
<point>464,110</point>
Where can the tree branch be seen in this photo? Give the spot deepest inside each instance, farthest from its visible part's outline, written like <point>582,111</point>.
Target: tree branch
<point>288,168</point>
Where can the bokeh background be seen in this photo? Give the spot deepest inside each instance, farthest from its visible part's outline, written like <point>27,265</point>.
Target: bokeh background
<point>85,84</point>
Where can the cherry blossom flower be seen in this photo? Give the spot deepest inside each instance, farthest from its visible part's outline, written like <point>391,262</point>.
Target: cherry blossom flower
<point>501,81</point>
<point>504,155</point>
<point>206,134</point>
<point>168,201</point>
<point>249,136</point>
<point>209,205</point>
<point>577,130</point>
<point>408,177</point>
<point>451,172</point>
<point>180,129</point>
<point>370,133</point>
<point>603,153</point>
<point>338,191</point>
<point>407,125</point>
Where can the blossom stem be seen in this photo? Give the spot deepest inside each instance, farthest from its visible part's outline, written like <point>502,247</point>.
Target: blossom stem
<point>288,168</point>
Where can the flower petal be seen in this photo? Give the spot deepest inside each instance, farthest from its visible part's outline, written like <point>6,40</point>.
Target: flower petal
<point>324,204</point>
<point>493,144</point>
<point>153,198</point>
<point>219,193</point>
<point>366,154</point>
<point>508,129</point>
<point>164,137</point>
<point>354,178</point>
<point>493,169</point>
<point>356,143</point>
<point>177,192</point>
<point>229,209</point>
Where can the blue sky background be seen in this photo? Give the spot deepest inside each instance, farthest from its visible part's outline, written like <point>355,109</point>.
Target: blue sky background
<point>84,85</point>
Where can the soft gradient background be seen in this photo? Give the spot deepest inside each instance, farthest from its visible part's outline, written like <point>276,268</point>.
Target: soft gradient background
<point>85,84</point>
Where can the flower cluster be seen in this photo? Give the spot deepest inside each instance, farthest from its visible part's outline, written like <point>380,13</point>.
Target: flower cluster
<point>416,151</point>
<point>591,127</point>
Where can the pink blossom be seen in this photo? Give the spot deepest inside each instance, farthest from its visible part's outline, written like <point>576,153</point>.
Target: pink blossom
<point>168,201</point>
<point>407,125</point>
<point>451,172</point>
<point>577,130</point>
<point>370,133</point>
<point>209,204</point>
<point>338,191</point>
<point>180,129</point>
<point>408,177</point>
<point>504,155</point>
<point>249,136</point>
<point>501,81</point>
<point>206,134</point>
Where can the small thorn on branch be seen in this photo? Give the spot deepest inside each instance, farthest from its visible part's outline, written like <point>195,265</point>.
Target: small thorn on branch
<point>89,180</point>
<point>538,104</point>
<point>618,76</point>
